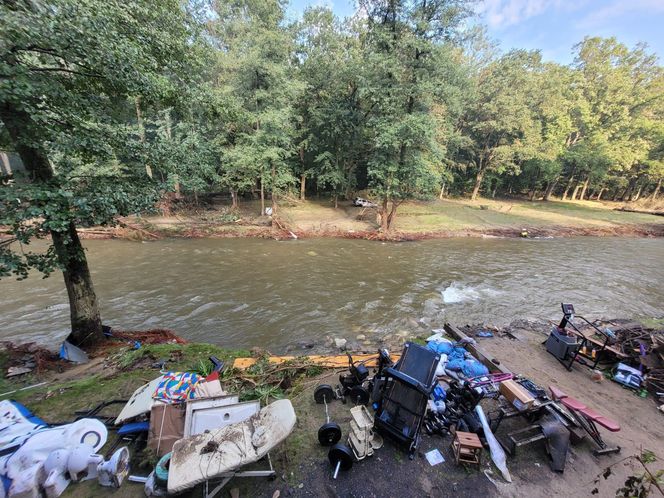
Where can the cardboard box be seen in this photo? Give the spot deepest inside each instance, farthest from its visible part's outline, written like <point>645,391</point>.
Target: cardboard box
<point>516,395</point>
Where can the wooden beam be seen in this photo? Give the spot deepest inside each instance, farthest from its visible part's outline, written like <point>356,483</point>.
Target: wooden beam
<point>339,361</point>
<point>475,350</point>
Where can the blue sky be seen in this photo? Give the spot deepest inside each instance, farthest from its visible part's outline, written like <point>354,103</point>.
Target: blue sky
<point>553,26</point>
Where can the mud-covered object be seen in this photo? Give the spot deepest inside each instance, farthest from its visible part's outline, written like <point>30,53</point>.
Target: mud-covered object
<point>557,442</point>
<point>205,456</point>
<point>21,466</point>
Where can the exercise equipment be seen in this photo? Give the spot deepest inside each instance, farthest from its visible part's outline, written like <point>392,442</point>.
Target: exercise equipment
<point>405,391</point>
<point>588,419</point>
<point>351,383</point>
<point>329,433</point>
<point>362,439</point>
<point>341,458</point>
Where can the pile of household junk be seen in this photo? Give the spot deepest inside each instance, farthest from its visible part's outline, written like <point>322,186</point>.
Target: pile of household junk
<point>444,390</point>
<point>200,434</point>
<point>41,460</point>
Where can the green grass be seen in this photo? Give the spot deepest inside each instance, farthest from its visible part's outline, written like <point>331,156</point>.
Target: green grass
<point>495,214</point>
<point>57,401</point>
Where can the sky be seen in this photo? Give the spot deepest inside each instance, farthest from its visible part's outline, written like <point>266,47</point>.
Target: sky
<point>553,26</point>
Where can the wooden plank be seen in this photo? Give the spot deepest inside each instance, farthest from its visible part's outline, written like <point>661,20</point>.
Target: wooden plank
<point>589,337</point>
<point>325,361</point>
<point>475,350</point>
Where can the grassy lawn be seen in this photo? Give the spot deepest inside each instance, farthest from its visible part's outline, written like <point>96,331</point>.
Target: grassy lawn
<point>490,214</point>
<point>320,217</point>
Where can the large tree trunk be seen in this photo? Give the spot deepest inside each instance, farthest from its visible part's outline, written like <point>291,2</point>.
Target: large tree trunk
<point>442,192</point>
<point>637,195</point>
<point>141,129</point>
<point>393,214</point>
<point>585,187</point>
<point>273,193</point>
<point>84,308</point>
<point>656,191</point>
<point>569,186</point>
<point>383,215</point>
<point>601,191</point>
<point>234,199</point>
<point>576,190</point>
<point>262,197</point>
<point>303,178</point>
<point>549,189</point>
<point>478,183</point>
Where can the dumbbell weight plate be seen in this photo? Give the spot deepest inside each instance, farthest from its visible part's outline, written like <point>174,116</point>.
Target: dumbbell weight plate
<point>340,453</point>
<point>359,395</point>
<point>329,434</point>
<point>323,393</point>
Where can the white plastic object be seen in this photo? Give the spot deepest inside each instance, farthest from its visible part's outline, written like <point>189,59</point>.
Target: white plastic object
<point>28,485</point>
<point>56,460</point>
<point>440,369</point>
<point>497,453</point>
<point>83,462</point>
<point>113,472</point>
<point>362,439</point>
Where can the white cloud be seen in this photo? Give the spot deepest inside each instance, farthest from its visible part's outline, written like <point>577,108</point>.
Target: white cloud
<point>504,13</point>
<point>618,8</point>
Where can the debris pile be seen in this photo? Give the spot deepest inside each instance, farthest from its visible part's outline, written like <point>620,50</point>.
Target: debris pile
<point>29,357</point>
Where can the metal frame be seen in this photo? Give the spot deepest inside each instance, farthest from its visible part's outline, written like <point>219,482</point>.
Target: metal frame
<point>593,432</point>
<point>568,320</point>
<point>227,476</point>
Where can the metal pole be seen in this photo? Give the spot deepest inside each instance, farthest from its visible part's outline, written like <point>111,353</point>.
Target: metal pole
<point>336,469</point>
<point>327,415</point>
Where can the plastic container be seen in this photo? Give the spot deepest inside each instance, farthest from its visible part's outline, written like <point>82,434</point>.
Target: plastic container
<point>560,345</point>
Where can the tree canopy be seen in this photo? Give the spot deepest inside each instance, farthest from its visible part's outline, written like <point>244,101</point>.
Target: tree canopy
<point>112,104</point>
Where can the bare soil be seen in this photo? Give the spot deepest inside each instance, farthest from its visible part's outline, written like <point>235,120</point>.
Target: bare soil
<point>416,220</point>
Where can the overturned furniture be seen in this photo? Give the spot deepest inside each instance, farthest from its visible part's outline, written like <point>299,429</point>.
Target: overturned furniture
<point>221,453</point>
<point>404,393</point>
<point>588,419</point>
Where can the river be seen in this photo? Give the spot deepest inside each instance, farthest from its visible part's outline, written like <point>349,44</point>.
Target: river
<point>281,295</point>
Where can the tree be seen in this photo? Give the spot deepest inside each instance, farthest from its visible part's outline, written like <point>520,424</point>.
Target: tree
<point>257,79</point>
<point>400,46</point>
<point>69,71</point>
<point>499,122</point>
<point>330,120</point>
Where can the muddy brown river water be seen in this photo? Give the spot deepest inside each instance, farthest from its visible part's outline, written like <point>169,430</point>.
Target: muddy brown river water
<point>279,295</point>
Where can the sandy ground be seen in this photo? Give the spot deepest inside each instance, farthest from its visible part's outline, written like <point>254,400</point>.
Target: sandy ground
<point>641,424</point>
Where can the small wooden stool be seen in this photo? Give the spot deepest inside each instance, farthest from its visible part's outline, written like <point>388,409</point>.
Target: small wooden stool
<point>467,448</point>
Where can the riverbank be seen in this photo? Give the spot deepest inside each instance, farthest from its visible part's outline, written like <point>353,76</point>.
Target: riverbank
<point>416,220</point>
<point>117,369</point>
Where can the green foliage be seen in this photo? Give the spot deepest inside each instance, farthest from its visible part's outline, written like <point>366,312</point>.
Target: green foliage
<point>128,100</point>
<point>68,72</point>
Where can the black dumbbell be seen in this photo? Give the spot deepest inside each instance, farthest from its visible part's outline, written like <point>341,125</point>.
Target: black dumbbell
<point>330,432</point>
<point>341,458</point>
